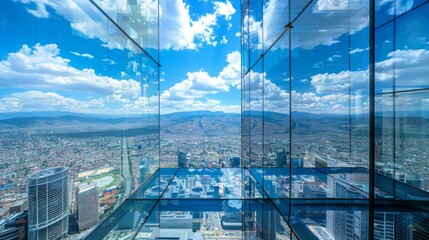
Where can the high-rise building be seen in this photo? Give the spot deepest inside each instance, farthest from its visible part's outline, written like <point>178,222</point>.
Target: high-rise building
<point>48,205</point>
<point>181,158</point>
<point>14,227</point>
<point>281,158</point>
<point>87,203</point>
<point>234,161</point>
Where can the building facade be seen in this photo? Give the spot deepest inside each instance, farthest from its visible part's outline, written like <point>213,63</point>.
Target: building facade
<point>87,205</point>
<point>48,204</point>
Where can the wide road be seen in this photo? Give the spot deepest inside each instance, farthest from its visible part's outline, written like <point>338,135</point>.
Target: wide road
<point>125,168</point>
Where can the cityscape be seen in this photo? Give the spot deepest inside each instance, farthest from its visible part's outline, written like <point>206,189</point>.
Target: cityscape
<point>179,119</point>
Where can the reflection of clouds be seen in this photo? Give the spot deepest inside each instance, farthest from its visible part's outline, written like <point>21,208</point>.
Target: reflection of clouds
<point>413,102</point>
<point>41,67</point>
<point>409,68</point>
<point>140,18</point>
<point>395,7</point>
<point>333,17</point>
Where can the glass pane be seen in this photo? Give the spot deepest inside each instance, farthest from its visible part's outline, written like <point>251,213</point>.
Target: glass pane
<point>138,19</point>
<point>255,18</point>
<point>277,121</point>
<point>412,50</point>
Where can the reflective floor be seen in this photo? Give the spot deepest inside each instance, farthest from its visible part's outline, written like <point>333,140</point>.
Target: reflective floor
<point>230,203</point>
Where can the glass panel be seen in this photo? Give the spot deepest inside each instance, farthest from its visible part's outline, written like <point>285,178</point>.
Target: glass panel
<point>329,87</point>
<point>256,102</point>
<point>245,115</point>
<point>275,18</point>
<point>384,47</point>
<point>277,121</point>
<point>245,32</point>
<point>138,19</point>
<point>388,10</point>
<point>125,221</point>
<point>330,219</point>
<point>296,7</point>
<point>412,50</point>
<point>256,44</point>
<point>411,132</point>
<point>75,93</point>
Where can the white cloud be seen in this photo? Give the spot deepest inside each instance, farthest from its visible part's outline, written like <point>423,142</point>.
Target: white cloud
<point>175,26</point>
<point>181,32</point>
<point>40,11</point>
<point>31,101</point>
<point>232,72</point>
<point>189,93</point>
<point>41,67</point>
<point>333,58</point>
<point>358,50</point>
<point>224,9</point>
<point>410,72</point>
<point>334,18</point>
<point>86,55</point>
<point>224,40</point>
<point>169,106</point>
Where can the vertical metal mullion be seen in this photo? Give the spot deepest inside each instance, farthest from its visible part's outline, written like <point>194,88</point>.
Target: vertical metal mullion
<point>371,119</point>
<point>290,114</point>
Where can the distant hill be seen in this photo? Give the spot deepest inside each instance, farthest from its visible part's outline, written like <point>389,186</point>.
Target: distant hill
<point>201,123</point>
<point>204,123</point>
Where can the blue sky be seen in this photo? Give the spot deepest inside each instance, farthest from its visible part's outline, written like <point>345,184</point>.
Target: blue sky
<point>67,57</point>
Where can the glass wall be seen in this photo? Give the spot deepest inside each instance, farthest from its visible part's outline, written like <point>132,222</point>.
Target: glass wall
<point>315,101</point>
<point>79,91</point>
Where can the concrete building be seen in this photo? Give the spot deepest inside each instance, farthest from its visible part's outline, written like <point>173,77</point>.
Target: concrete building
<point>87,204</point>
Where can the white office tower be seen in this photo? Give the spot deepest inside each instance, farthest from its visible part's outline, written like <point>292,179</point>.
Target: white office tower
<point>87,203</point>
<point>48,208</point>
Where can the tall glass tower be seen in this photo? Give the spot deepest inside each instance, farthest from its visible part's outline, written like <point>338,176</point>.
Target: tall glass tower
<point>48,208</point>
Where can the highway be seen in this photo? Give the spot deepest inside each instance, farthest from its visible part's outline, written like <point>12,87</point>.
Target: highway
<point>125,168</point>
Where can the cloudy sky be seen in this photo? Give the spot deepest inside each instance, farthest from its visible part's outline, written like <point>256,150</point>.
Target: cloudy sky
<point>66,56</point>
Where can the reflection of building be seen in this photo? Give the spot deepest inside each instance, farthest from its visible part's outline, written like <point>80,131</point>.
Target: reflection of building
<point>351,223</point>
<point>181,158</point>
<point>142,169</point>
<point>48,208</point>
<point>297,162</point>
<point>320,162</point>
<point>174,220</point>
<point>87,205</point>
<point>281,158</point>
<point>130,220</point>
<point>232,219</point>
<point>313,190</point>
<point>266,223</point>
<point>234,161</point>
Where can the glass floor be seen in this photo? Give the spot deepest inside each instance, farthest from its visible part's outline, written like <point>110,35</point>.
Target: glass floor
<point>270,203</point>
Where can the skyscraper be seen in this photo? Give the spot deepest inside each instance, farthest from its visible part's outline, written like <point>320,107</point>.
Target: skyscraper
<point>281,158</point>
<point>181,158</point>
<point>48,208</point>
<point>234,161</point>
<point>87,205</point>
